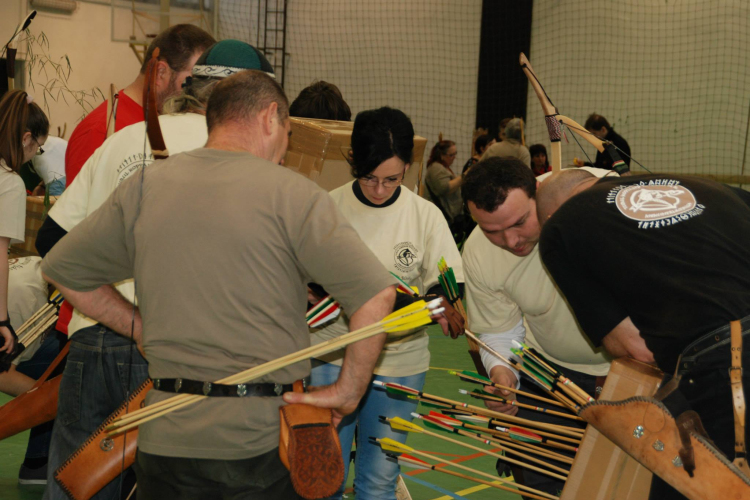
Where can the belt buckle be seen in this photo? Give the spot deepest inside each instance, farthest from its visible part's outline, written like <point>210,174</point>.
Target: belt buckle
<point>207,388</point>
<point>278,389</point>
<point>242,390</point>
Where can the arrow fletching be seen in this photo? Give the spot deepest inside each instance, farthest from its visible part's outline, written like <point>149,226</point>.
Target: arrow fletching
<point>524,435</point>
<point>399,424</point>
<point>388,444</point>
<point>444,418</point>
<point>403,286</point>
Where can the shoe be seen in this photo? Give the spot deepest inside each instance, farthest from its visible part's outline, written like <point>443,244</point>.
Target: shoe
<point>28,476</point>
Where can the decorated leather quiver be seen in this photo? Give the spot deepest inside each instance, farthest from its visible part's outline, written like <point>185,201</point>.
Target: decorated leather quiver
<point>100,459</point>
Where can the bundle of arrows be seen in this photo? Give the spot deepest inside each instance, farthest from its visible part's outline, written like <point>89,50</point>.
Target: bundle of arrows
<point>540,372</point>
<point>448,281</point>
<point>413,316</point>
<point>35,328</point>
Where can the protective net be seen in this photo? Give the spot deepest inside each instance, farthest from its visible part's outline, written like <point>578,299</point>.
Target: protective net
<point>419,56</point>
<point>672,77</point>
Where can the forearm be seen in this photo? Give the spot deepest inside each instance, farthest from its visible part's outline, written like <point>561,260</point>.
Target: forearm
<point>455,184</point>
<point>502,343</point>
<point>625,340</point>
<point>360,357</point>
<point>15,383</point>
<point>106,306</point>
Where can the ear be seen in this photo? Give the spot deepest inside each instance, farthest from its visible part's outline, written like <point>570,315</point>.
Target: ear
<point>163,74</point>
<point>406,168</point>
<point>25,138</point>
<point>537,184</point>
<point>269,118</point>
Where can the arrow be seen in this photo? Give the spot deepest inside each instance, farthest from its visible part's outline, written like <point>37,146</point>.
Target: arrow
<point>403,286</point>
<point>486,396</point>
<point>415,463</point>
<point>399,424</point>
<point>388,444</point>
<point>479,379</point>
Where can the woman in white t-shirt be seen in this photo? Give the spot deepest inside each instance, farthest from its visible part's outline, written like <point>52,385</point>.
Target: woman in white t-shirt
<point>23,131</point>
<point>409,235</point>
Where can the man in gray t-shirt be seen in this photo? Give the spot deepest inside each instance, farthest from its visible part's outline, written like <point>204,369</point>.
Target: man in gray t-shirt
<point>221,242</point>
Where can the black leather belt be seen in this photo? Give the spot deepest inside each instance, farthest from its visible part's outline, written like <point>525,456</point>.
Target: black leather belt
<point>707,343</point>
<point>211,389</point>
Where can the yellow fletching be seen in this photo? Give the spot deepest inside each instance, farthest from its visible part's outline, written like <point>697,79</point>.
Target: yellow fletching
<point>389,444</point>
<point>414,321</point>
<point>416,306</point>
<point>399,424</point>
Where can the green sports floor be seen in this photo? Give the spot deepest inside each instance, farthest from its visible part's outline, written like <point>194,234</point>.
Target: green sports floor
<point>447,354</point>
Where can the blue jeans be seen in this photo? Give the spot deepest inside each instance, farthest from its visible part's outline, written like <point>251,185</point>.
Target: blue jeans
<point>40,436</point>
<point>375,476</point>
<point>97,377</point>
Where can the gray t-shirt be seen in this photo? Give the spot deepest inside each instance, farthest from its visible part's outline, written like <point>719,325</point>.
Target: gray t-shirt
<point>436,182</point>
<point>221,252</point>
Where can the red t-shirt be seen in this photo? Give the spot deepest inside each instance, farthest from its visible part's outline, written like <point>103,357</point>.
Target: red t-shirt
<point>92,131</point>
<point>85,139</point>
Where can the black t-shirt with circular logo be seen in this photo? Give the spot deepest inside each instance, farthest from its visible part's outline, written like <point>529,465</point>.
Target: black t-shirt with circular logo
<point>670,252</point>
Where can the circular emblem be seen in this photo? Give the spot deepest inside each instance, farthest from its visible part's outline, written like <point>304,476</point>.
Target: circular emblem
<point>654,202</point>
<point>405,256</point>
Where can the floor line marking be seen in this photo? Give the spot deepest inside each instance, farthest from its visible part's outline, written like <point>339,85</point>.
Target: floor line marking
<point>456,461</point>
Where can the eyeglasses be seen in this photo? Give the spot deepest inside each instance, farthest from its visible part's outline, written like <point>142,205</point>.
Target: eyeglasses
<point>40,150</point>
<point>371,181</point>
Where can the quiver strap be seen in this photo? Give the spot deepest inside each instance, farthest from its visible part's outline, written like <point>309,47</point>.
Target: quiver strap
<point>36,406</point>
<point>151,111</point>
<point>309,447</point>
<point>738,398</point>
<point>646,430</point>
<point>100,459</point>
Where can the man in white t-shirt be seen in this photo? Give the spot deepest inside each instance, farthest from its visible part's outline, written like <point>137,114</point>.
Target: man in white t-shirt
<point>509,294</point>
<point>122,155</point>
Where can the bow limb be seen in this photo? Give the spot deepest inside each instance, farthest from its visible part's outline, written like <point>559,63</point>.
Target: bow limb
<point>550,114</point>
<point>151,111</point>
<point>555,121</point>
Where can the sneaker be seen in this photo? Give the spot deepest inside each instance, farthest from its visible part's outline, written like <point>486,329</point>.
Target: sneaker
<point>28,476</point>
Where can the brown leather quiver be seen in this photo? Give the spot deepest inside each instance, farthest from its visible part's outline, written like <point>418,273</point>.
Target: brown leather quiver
<point>99,460</point>
<point>646,430</point>
<point>32,408</point>
<point>309,447</point>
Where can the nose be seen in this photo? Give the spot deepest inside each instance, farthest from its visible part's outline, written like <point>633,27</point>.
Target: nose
<point>380,189</point>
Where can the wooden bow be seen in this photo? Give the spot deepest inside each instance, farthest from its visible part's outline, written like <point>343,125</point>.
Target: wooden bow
<point>555,121</point>
<point>10,48</point>
<point>151,110</point>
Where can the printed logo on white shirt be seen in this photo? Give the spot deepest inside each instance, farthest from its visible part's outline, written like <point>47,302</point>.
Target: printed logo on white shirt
<point>405,256</point>
<point>655,203</point>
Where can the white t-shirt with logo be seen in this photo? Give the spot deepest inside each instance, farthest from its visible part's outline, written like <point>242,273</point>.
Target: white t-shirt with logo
<point>121,155</point>
<point>409,238</point>
<point>503,290</point>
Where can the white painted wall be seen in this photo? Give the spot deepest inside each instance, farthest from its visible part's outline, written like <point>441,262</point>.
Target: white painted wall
<point>85,36</point>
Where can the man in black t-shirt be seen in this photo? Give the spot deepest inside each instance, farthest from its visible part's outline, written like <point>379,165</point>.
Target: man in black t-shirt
<point>652,265</point>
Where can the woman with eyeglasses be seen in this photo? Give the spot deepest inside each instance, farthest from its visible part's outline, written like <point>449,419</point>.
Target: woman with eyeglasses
<point>409,235</point>
<point>23,131</point>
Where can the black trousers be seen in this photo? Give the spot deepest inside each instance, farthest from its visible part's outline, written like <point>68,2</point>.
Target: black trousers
<point>706,388</point>
<point>259,478</point>
<point>531,478</point>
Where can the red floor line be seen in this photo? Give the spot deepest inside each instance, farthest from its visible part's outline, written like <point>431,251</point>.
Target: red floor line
<point>455,461</point>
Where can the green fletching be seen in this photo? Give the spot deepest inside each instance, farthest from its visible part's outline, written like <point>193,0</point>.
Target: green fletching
<point>520,437</point>
<point>436,426</point>
<point>530,363</point>
<point>477,376</point>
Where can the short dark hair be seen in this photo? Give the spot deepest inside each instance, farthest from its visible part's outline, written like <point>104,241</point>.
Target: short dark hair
<point>481,142</point>
<point>177,45</point>
<point>488,182</point>
<point>378,135</point>
<point>242,96</point>
<point>596,122</point>
<point>535,149</point>
<point>321,100</point>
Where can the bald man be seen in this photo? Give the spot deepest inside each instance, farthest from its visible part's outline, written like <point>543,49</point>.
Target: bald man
<point>655,267</point>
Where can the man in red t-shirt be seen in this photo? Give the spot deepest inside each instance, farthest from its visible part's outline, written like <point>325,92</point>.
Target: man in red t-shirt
<point>179,47</point>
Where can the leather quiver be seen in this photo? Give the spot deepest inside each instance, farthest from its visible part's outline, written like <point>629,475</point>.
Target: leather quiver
<point>309,447</point>
<point>32,408</point>
<point>647,431</point>
<point>99,459</point>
